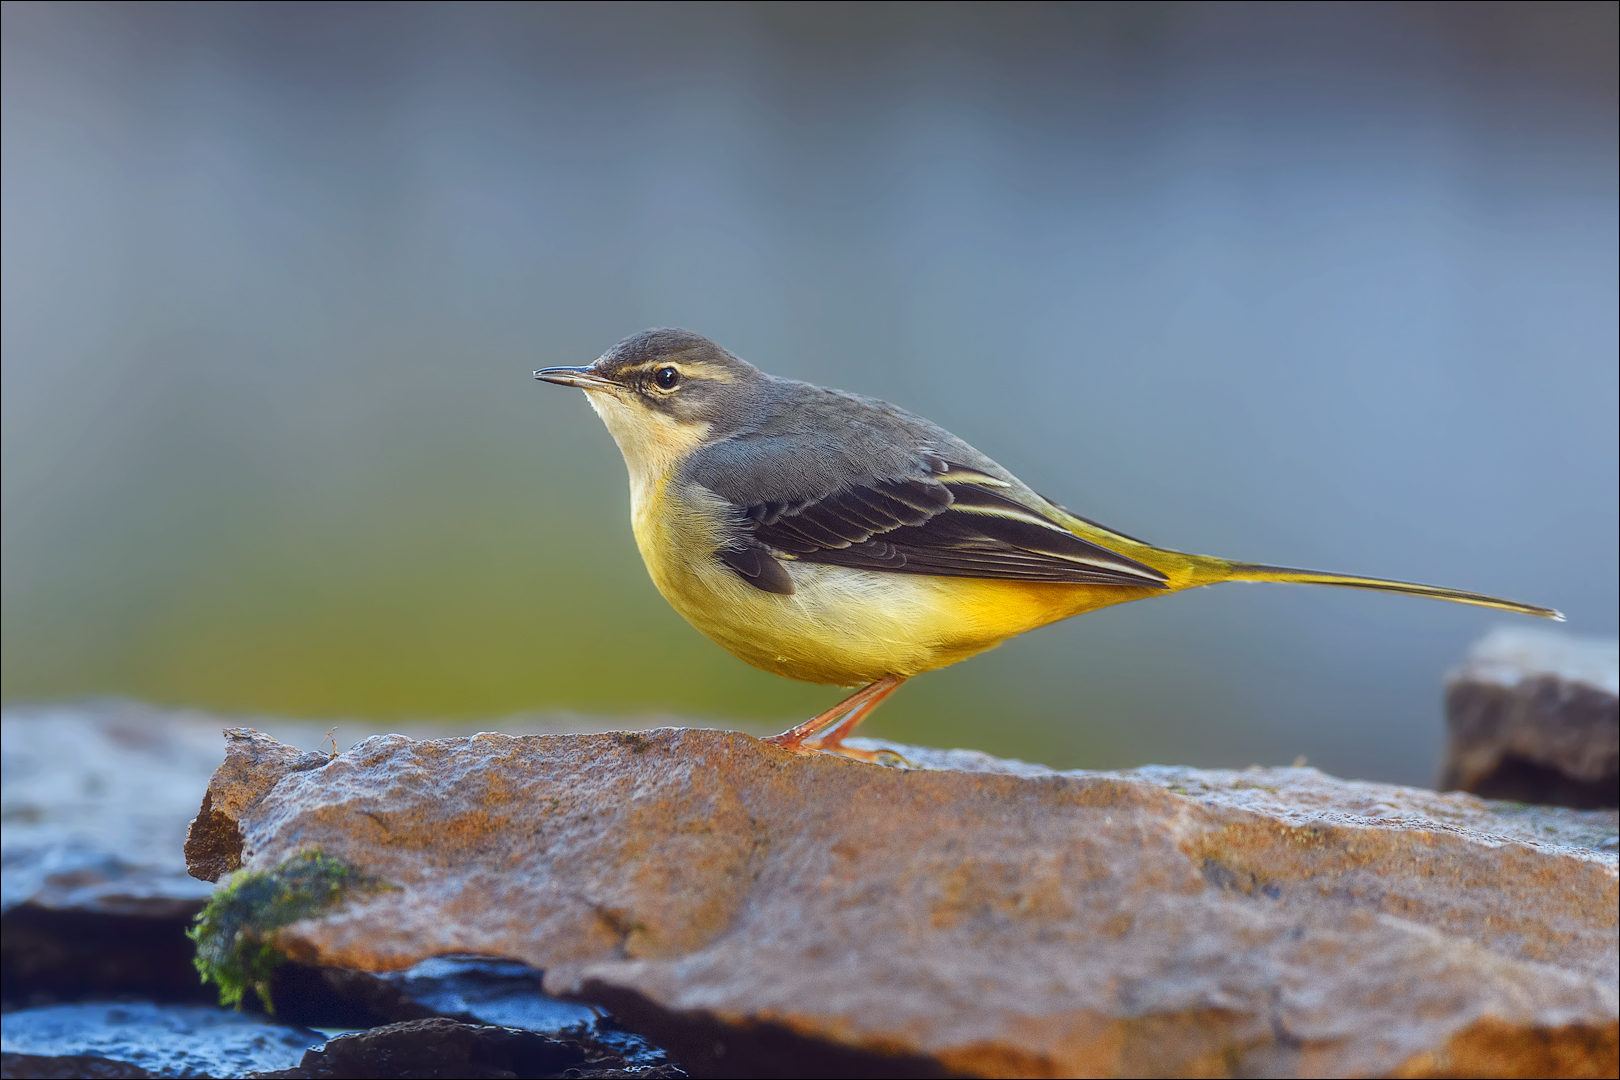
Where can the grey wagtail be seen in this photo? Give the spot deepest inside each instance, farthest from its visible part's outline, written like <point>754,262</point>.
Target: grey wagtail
<point>838,539</point>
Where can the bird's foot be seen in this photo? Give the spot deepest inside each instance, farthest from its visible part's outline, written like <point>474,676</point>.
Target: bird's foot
<point>886,757</point>
<point>891,758</point>
<point>826,733</point>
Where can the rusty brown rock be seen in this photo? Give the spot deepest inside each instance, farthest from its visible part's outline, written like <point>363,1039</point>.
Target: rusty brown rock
<point>213,843</point>
<point>753,909</point>
<point>1534,716</point>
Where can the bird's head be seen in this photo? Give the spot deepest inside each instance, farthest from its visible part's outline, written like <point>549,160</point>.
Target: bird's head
<point>663,393</point>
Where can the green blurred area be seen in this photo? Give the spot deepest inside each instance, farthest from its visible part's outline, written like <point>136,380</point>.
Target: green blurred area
<point>1321,285</point>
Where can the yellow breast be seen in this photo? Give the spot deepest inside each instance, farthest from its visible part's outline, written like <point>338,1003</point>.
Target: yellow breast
<point>841,626</point>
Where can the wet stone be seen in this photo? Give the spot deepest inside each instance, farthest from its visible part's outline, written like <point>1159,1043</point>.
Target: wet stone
<point>472,990</point>
<point>94,806</point>
<point>93,813</point>
<point>83,1067</point>
<point>448,1048</point>
<point>489,991</point>
<point>508,994</point>
<point>162,1040</point>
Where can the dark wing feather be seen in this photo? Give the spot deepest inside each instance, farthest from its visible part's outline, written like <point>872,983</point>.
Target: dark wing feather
<point>826,477</point>
<point>929,527</point>
<point>755,565</point>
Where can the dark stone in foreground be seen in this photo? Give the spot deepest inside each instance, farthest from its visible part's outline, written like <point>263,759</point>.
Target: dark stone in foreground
<point>712,1047</point>
<point>35,1067</point>
<point>1534,716</point>
<point>142,1039</point>
<point>472,990</point>
<point>446,1048</point>
<point>48,956</point>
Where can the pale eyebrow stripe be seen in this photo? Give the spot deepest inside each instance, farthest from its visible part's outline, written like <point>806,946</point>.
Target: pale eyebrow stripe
<point>686,370</point>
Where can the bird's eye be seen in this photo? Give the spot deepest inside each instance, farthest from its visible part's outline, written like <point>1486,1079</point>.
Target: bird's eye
<point>666,378</point>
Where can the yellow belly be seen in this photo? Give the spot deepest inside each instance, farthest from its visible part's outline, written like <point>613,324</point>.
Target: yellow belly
<point>842,626</point>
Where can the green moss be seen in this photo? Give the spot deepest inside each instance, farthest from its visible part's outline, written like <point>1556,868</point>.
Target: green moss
<point>234,933</point>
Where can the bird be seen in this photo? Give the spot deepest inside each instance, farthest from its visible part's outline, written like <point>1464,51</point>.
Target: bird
<point>838,539</point>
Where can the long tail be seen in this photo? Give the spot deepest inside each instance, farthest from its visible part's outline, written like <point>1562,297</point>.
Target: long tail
<point>1257,572</point>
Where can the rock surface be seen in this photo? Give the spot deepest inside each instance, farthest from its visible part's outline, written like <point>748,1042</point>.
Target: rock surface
<point>453,1017</point>
<point>469,990</point>
<point>143,1039</point>
<point>96,797</point>
<point>1534,716</point>
<point>96,895</point>
<point>761,913</point>
<point>94,805</point>
<point>448,1048</point>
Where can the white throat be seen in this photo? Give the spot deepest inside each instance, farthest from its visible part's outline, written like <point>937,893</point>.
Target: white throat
<point>652,443</point>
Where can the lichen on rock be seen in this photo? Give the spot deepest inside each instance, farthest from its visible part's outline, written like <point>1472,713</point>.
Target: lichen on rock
<point>235,933</point>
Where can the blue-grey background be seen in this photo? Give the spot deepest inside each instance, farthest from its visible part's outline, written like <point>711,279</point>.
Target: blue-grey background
<point>1332,285</point>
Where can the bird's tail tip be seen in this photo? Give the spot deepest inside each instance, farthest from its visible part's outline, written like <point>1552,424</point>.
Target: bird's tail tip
<point>1289,575</point>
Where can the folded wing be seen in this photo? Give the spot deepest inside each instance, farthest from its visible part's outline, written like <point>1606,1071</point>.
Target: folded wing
<point>957,523</point>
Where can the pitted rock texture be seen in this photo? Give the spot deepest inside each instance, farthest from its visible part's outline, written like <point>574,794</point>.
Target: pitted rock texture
<point>759,912</point>
<point>1534,716</point>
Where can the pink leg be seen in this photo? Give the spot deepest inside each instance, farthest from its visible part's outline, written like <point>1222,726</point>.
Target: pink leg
<point>843,717</point>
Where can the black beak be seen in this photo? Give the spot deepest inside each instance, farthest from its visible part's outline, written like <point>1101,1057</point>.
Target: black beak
<point>582,377</point>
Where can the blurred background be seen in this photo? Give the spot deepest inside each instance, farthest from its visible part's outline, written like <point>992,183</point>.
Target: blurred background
<point>1330,285</point>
